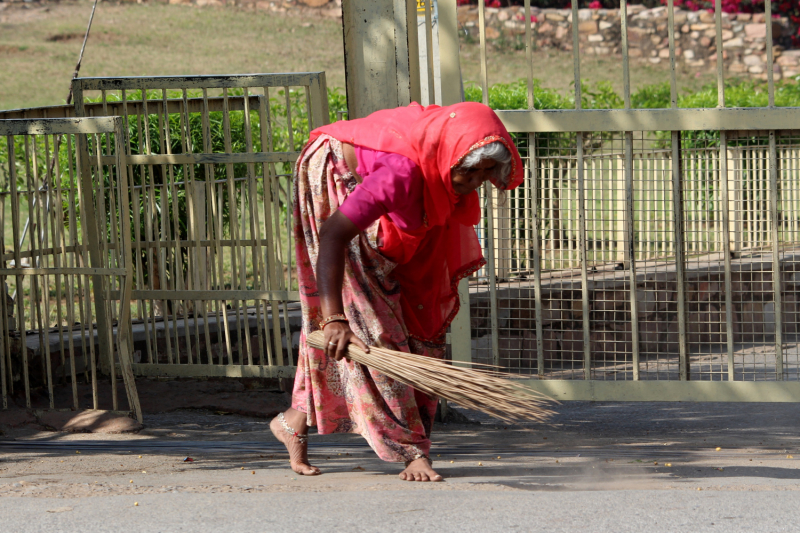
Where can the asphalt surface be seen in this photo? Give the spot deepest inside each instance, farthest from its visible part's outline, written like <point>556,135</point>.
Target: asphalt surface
<point>598,467</point>
<point>456,511</point>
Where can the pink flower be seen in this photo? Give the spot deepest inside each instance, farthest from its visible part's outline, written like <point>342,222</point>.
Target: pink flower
<point>595,5</point>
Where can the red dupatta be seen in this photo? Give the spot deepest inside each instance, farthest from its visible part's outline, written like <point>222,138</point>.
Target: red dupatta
<point>432,259</point>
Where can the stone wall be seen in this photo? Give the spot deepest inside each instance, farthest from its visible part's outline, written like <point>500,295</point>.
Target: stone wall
<point>743,36</point>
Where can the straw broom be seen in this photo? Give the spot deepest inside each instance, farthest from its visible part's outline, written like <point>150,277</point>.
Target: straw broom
<point>482,390</point>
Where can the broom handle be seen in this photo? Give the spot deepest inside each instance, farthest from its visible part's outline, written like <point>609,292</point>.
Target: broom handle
<point>316,339</point>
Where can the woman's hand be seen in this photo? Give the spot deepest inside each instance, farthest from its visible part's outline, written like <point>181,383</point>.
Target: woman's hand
<point>337,336</point>
<point>334,235</point>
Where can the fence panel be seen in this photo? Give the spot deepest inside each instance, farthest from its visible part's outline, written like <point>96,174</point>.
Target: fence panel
<point>66,272</point>
<point>645,245</point>
<point>210,162</point>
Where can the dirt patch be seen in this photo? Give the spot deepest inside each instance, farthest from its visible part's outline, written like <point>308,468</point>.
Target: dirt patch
<point>156,396</point>
<point>14,418</point>
<point>226,396</point>
<point>8,50</point>
<point>60,37</point>
<point>96,36</point>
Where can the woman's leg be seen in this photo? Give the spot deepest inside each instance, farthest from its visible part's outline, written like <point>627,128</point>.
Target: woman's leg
<point>294,435</point>
<point>421,469</point>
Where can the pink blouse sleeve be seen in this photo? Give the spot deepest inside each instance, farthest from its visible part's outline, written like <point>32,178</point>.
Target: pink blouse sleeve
<point>392,185</point>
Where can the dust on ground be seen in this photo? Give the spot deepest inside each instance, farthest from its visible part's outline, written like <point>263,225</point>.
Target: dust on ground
<point>587,446</point>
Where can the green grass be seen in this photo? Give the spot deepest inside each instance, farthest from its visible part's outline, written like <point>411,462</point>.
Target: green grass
<point>156,39</point>
<point>555,68</point>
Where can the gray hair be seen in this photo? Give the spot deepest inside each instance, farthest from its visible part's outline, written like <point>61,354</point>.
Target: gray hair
<point>495,151</point>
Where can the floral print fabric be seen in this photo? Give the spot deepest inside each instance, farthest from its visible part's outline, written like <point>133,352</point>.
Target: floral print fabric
<point>343,396</point>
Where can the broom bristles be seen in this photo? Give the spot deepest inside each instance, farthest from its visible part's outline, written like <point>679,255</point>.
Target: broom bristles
<point>482,390</point>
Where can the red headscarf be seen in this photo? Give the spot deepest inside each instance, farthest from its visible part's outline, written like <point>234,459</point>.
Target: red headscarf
<point>432,259</point>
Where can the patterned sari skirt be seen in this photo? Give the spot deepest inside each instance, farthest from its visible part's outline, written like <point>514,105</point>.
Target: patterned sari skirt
<point>342,397</point>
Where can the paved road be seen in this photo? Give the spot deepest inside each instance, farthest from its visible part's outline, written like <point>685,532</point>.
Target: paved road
<point>600,467</point>
<point>416,510</point>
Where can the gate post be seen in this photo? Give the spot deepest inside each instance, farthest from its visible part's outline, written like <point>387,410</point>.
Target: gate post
<point>452,93</point>
<point>376,55</point>
<point>382,70</point>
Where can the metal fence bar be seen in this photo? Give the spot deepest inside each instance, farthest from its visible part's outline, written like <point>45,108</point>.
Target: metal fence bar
<point>647,120</point>
<point>587,353</point>
<point>15,220</point>
<point>255,225</point>
<point>488,192</point>
<point>290,254</point>
<point>274,352</point>
<point>412,31</point>
<point>630,252</point>
<point>720,58</point>
<point>630,249</point>
<point>587,348</point>
<point>69,280</point>
<point>85,310</point>
<point>680,260</point>
<point>277,279</point>
<point>5,335</point>
<point>533,176</point>
<point>529,58</point>
<point>124,341</point>
<point>770,59</point>
<point>429,51</point>
<point>774,199</point>
<point>484,68</point>
<point>726,248</point>
<point>197,82</point>
<point>673,82</point>
<point>626,75</point>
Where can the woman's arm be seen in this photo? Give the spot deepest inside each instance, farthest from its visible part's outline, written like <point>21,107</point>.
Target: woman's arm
<point>334,235</point>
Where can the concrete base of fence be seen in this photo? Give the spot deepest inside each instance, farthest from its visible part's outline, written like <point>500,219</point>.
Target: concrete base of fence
<point>674,391</point>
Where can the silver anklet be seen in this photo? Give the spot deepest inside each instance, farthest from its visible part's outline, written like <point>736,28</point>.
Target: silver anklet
<point>302,439</point>
<point>419,456</point>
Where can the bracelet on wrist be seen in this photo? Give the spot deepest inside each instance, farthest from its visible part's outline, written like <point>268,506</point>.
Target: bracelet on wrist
<point>338,317</point>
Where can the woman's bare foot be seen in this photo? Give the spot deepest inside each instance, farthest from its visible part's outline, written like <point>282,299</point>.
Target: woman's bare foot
<point>297,448</point>
<point>420,470</point>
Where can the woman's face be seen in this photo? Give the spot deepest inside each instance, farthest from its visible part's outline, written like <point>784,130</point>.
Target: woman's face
<point>466,181</point>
